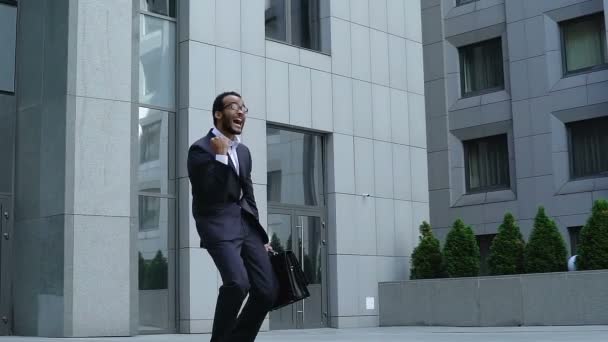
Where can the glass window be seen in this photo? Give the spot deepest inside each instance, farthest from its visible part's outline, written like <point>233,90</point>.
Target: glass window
<point>162,7</point>
<point>296,22</point>
<point>150,142</point>
<point>275,18</point>
<point>305,24</point>
<point>294,167</point>
<point>589,147</point>
<point>487,163</point>
<point>156,269</point>
<point>484,242</point>
<point>154,171</point>
<point>156,167</point>
<point>149,212</point>
<point>8,38</point>
<point>584,43</point>
<point>481,67</point>
<point>157,62</point>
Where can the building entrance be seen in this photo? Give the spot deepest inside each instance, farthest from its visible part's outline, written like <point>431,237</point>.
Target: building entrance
<point>303,233</point>
<point>296,219</point>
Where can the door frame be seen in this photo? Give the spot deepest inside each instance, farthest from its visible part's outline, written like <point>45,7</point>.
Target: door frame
<point>6,235</point>
<point>295,211</point>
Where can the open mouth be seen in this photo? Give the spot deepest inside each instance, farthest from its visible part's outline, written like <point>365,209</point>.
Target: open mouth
<point>238,122</point>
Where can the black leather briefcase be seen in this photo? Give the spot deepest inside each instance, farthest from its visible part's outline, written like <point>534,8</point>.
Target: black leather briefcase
<point>292,280</point>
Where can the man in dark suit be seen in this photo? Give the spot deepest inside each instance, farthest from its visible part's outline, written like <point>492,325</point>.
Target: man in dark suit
<point>227,221</point>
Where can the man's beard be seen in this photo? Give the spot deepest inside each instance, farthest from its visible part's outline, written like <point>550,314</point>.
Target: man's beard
<point>227,123</point>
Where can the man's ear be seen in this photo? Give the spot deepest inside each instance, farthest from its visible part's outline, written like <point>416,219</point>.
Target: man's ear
<point>218,115</point>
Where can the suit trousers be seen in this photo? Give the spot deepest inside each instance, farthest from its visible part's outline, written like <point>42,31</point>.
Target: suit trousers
<point>245,268</point>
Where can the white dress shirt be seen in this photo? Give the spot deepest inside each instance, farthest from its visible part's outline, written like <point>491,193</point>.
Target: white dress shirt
<point>233,144</point>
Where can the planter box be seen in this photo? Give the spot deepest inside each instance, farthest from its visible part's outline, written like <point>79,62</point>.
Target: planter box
<point>572,298</point>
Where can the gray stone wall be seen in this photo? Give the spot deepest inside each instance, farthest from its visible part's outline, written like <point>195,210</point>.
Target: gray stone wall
<point>575,298</point>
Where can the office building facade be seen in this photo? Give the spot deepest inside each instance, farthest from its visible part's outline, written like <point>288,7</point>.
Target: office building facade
<point>99,102</point>
<point>517,108</point>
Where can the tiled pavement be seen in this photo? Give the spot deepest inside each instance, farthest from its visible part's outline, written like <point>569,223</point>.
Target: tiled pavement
<point>390,334</point>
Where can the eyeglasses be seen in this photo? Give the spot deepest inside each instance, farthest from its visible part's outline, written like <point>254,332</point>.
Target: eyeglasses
<point>236,107</point>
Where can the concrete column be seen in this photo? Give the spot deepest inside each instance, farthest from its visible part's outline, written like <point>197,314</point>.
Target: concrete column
<point>74,238</point>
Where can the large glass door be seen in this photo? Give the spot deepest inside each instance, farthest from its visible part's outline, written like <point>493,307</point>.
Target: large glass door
<point>296,214</point>
<point>303,233</point>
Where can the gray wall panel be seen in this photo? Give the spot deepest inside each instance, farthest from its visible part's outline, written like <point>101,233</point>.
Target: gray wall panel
<point>500,301</point>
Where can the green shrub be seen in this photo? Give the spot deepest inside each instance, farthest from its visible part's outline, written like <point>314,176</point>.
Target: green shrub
<point>507,250</point>
<point>276,244</point>
<point>593,243</point>
<point>153,274</point>
<point>142,271</point>
<point>461,252</point>
<point>546,250</point>
<point>426,258</point>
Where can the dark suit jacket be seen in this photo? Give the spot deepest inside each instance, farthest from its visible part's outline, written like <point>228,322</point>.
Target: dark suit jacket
<point>216,190</point>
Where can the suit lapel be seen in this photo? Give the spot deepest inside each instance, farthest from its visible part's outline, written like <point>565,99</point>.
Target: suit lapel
<point>240,152</point>
<point>231,163</point>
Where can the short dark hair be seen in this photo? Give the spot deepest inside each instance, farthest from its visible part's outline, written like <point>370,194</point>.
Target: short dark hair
<point>218,103</point>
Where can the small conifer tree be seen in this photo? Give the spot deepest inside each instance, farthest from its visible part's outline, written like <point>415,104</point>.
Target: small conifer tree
<point>593,245</point>
<point>546,250</point>
<point>426,258</point>
<point>461,253</point>
<point>507,249</point>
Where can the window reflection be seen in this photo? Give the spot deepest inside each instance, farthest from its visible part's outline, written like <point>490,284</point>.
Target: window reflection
<point>155,254</point>
<point>156,181</point>
<point>150,142</point>
<point>162,7</point>
<point>153,170</point>
<point>481,67</point>
<point>149,212</point>
<point>296,22</point>
<point>294,167</point>
<point>311,260</point>
<point>276,27</point>
<point>584,43</point>
<point>306,24</point>
<point>487,163</point>
<point>8,36</point>
<point>157,62</point>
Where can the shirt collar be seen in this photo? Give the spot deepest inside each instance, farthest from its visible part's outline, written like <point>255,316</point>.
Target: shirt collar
<point>233,143</point>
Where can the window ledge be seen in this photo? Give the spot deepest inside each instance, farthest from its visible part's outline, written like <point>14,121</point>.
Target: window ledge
<point>285,52</point>
<point>480,99</point>
<point>584,185</point>
<point>298,47</point>
<point>581,79</point>
<point>485,197</point>
<point>459,10</point>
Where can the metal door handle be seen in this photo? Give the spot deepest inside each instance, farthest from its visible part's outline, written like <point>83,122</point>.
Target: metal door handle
<point>302,261</point>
